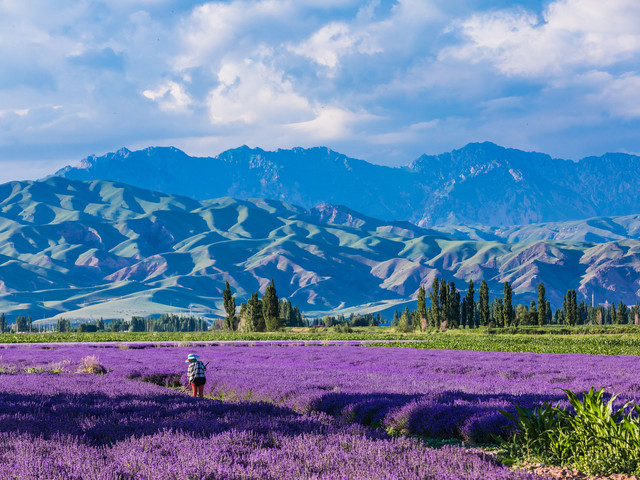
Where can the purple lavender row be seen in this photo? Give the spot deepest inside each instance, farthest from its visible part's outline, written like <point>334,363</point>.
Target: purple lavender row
<point>437,393</point>
<point>86,426</point>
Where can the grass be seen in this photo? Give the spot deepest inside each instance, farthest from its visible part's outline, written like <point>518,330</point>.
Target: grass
<point>596,340</point>
<point>593,344</point>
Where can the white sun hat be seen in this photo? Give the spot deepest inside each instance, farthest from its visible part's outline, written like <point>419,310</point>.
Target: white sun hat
<point>191,357</point>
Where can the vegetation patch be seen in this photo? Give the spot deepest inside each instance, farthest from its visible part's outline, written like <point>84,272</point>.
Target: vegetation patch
<point>592,436</point>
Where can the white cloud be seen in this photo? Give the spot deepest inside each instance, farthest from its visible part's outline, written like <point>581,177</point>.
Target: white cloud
<point>333,41</point>
<point>330,123</point>
<point>255,93</point>
<point>169,96</point>
<point>617,95</point>
<point>217,29</point>
<point>571,34</point>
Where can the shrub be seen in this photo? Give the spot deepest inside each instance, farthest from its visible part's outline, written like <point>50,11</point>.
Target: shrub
<point>91,364</point>
<point>593,437</point>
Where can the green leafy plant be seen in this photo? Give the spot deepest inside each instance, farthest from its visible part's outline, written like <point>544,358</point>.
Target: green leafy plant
<point>593,437</point>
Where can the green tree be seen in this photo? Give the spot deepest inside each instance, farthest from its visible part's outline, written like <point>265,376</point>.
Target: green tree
<point>63,325</point>
<point>421,309</point>
<point>230,322</point>
<point>522,314</point>
<point>533,313</point>
<point>542,305</point>
<point>21,324</point>
<point>498,312</point>
<point>508,314</point>
<point>254,319</point>
<point>3,323</point>
<point>470,302</point>
<point>483,303</point>
<point>434,311</point>
<point>271,308</point>
<point>404,325</point>
<point>444,301</point>
<point>455,306</point>
<point>622,315</point>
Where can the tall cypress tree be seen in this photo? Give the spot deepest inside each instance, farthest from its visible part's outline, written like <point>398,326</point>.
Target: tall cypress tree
<point>453,298</point>
<point>463,312</point>
<point>3,323</point>
<point>623,313</point>
<point>444,301</point>
<point>271,308</point>
<point>422,309</point>
<point>574,307</point>
<point>229,307</point>
<point>434,295</point>
<point>498,312</point>
<point>542,305</point>
<point>470,305</point>
<point>508,313</point>
<point>483,303</point>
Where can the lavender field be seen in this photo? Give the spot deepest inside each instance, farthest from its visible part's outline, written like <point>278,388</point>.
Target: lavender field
<point>279,411</point>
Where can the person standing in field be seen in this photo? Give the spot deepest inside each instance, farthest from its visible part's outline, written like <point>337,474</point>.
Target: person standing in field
<point>196,375</point>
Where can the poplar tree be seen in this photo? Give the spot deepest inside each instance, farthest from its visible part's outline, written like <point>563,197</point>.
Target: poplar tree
<point>229,307</point>
<point>434,295</point>
<point>422,309</point>
<point>463,312</point>
<point>444,301</point>
<point>542,305</point>
<point>271,308</point>
<point>455,306</point>
<point>470,305</point>
<point>483,303</point>
<point>574,307</point>
<point>623,313</point>
<point>498,312</point>
<point>508,313</point>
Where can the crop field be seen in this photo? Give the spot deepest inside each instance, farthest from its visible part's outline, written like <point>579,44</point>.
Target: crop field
<point>331,412</point>
<point>596,340</point>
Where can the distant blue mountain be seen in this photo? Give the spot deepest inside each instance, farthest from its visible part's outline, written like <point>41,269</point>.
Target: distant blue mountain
<point>481,183</point>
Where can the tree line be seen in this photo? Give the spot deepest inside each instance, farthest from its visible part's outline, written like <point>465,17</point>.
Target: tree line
<point>266,314</point>
<point>164,323</point>
<point>451,308</point>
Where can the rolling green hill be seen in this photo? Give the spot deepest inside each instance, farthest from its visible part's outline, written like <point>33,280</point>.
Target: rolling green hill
<point>99,248</point>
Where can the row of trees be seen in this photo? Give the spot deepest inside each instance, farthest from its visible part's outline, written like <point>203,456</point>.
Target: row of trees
<point>268,313</point>
<point>353,320</point>
<point>164,323</point>
<point>451,308</point>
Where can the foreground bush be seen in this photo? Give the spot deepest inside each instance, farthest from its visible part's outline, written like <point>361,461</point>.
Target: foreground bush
<point>595,437</point>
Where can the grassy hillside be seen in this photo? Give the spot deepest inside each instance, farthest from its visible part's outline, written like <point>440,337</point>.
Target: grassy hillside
<point>85,250</point>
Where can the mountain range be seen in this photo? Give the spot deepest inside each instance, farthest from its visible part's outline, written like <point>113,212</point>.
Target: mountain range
<point>479,184</point>
<point>85,249</point>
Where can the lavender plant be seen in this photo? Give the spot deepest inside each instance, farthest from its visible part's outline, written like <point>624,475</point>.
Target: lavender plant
<point>83,426</point>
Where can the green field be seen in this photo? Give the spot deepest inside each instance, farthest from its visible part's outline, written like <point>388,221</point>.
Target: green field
<point>611,340</point>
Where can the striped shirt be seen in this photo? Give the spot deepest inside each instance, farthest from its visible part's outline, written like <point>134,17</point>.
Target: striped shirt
<point>196,369</point>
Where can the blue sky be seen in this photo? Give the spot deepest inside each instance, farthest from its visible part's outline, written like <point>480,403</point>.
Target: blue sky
<point>382,80</point>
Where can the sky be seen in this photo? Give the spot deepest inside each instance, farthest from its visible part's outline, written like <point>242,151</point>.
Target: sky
<point>384,81</point>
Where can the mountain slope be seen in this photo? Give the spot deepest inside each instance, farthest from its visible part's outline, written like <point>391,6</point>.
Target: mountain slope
<point>481,183</point>
<point>101,248</point>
